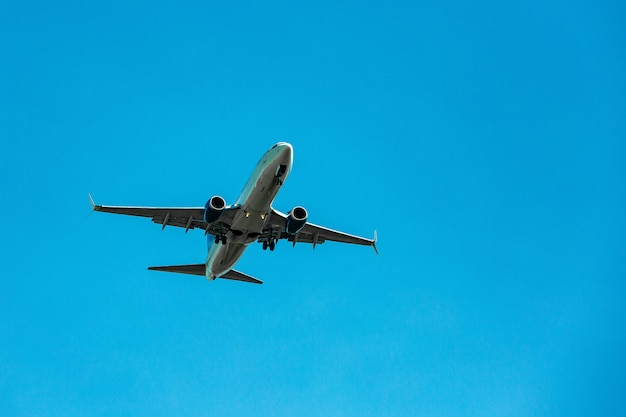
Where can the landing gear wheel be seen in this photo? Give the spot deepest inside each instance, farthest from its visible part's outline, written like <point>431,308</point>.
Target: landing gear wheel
<point>264,245</point>
<point>272,245</point>
<point>223,240</point>
<point>217,240</point>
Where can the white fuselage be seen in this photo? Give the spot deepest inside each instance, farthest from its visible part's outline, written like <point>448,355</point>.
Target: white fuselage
<point>254,206</point>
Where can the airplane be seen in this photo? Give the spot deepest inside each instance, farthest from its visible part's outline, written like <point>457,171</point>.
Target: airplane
<point>231,229</point>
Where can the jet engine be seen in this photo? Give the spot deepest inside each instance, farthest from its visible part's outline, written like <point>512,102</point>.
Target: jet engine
<point>296,220</point>
<point>214,208</point>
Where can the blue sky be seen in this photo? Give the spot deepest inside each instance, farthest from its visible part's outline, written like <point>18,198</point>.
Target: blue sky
<point>484,142</point>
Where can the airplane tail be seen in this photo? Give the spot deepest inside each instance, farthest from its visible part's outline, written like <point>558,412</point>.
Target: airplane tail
<point>200,269</point>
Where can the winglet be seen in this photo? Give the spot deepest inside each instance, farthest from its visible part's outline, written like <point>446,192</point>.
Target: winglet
<point>93,205</point>
<point>374,242</point>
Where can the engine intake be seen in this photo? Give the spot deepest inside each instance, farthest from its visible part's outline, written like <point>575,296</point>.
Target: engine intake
<point>214,208</point>
<point>296,220</point>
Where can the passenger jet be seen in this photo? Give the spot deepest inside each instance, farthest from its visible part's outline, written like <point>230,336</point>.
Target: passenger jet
<point>251,219</point>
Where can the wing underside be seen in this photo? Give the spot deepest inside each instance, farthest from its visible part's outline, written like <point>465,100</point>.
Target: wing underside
<point>192,217</point>
<point>314,234</point>
<point>184,217</point>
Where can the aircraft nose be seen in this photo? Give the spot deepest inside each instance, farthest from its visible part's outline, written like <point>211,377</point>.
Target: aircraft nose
<point>286,150</point>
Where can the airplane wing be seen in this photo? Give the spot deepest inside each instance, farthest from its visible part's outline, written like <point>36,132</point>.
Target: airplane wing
<point>185,217</point>
<point>314,234</point>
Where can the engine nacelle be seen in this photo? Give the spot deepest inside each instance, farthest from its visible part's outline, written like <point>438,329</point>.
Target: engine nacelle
<point>296,220</point>
<point>214,208</point>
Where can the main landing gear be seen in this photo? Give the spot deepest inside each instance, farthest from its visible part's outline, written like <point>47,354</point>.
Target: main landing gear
<point>271,244</point>
<point>219,238</point>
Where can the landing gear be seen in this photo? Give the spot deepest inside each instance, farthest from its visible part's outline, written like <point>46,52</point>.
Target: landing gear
<point>271,244</point>
<point>220,231</point>
<point>269,238</point>
<point>280,171</point>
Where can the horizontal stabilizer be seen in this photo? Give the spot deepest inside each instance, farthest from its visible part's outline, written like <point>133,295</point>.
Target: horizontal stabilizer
<point>195,269</point>
<point>199,269</point>
<point>240,276</point>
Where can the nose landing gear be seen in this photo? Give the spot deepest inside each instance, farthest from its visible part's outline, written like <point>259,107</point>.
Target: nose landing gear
<point>280,171</point>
